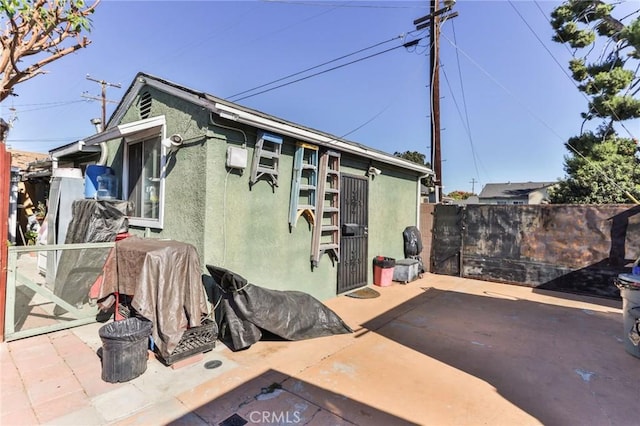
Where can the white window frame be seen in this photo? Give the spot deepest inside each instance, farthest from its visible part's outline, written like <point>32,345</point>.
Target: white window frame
<point>157,223</point>
<point>129,133</point>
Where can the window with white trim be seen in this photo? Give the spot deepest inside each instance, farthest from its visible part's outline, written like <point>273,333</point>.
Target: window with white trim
<point>143,180</point>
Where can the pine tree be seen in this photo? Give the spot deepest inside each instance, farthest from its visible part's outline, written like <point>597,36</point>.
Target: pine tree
<point>601,167</point>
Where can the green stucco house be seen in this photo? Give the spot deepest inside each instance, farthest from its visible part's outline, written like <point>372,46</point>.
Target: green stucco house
<point>285,206</point>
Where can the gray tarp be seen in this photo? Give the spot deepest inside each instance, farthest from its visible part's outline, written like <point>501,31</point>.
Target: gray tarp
<point>165,279</point>
<point>93,221</point>
<point>292,315</point>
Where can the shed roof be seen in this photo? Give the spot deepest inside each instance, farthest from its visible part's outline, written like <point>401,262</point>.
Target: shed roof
<point>22,159</point>
<point>235,112</point>
<point>512,189</point>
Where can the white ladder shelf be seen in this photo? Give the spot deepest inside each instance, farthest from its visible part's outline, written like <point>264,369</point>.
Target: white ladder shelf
<point>304,184</point>
<point>266,158</point>
<point>326,232</point>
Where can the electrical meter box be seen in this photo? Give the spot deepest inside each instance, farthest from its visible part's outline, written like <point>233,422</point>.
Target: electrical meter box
<point>236,157</point>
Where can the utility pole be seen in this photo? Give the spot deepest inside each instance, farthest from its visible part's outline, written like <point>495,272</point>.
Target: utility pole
<point>434,85</point>
<point>103,96</point>
<point>473,185</point>
<point>432,20</point>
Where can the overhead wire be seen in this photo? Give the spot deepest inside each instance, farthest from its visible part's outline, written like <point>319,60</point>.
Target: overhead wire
<point>561,66</point>
<point>464,103</point>
<point>465,127</point>
<point>218,31</point>
<point>368,121</point>
<point>48,106</point>
<point>315,67</point>
<point>584,94</point>
<point>308,18</point>
<point>537,117</point>
<point>40,140</point>
<point>347,5</point>
<point>319,73</point>
<point>374,116</point>
<point>40,104</point>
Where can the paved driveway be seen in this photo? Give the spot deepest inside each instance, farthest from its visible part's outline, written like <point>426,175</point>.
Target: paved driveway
<point>439,351</point>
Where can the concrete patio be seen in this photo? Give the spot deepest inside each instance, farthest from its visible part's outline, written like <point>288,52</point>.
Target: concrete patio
<point>438,351</point>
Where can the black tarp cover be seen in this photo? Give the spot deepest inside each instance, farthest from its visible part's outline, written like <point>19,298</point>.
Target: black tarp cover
<point>413,245</point>
<point>291,315</point>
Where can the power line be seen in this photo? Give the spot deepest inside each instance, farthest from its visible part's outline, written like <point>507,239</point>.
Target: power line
<point>327,70</point>
<point>103,84</point>
<point>374,117</point>
<point>466,129</point>
<point>43,103</point>
<point>46,139</point>
<point>560,65</point>
<point>346,5</point>
<point>592,164</point>
<point>473,185</point>
<point>48,106</point>
<point>315,67</point>
<point>544,123</point>
<point>464,102</point>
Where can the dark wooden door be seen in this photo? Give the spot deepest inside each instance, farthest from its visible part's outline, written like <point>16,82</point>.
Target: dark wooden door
<point>447,240</point>
<point>354,222</point>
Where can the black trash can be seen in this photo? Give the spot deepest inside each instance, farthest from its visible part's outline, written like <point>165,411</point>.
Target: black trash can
<point>124,349</point>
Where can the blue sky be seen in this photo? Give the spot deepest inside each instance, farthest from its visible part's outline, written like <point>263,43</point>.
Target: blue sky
<point>520,105</point>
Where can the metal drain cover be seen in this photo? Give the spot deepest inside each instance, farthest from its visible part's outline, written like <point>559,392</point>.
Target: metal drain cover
<point>234,420</point>
<point>210,365</point>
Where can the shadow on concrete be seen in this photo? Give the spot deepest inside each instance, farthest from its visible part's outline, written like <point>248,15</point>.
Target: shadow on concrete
<point>561,365</point>
<point>276,398</point>
<point>598,278</point>
<point>595,280</point>
<point>578,249</point>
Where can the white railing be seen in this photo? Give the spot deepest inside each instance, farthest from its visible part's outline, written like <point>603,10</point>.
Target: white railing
<point>33,306</point>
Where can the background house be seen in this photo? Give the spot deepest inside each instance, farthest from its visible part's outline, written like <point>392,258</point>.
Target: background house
<point>29,190</point>
<point>185,158</point>
<point>515,193</point>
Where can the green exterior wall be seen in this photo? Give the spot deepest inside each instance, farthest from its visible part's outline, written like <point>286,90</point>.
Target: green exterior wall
<point>392,206</point>
<point>246,230</point>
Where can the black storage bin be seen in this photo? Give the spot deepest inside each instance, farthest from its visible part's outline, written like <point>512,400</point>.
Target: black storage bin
<point>124,349</point>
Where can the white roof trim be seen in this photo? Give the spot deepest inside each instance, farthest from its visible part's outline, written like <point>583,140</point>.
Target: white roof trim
<point>73,148</point>
<point>257,120</point>
<point>296,132</point>
<point>124,130</point>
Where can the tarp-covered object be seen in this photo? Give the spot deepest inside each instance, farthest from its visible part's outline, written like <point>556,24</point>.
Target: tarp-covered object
<point>413,245</point>
<point>93,221</point>
<point>165,279</point>
<point>292,315</point>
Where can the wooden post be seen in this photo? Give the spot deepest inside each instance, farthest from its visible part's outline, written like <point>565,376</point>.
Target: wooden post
<point>5,185</point>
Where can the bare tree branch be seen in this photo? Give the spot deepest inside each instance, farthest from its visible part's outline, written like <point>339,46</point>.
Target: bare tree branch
<point>38,27</point>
